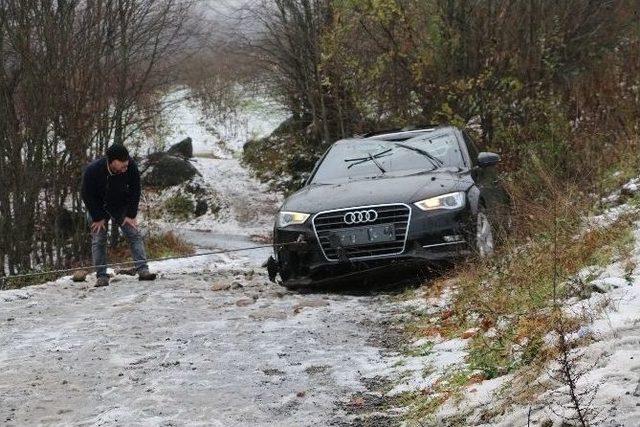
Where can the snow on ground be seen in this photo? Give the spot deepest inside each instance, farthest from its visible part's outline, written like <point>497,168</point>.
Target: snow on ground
<point>211,342</point>
<point>219,347</point>
<point>239,204</point>
<point>243,205</point>
<point>614,352</point>
<point>183,117</point>
<point>611,362</point>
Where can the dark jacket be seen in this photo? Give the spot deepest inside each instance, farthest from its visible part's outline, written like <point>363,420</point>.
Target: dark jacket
<point>107,195</point>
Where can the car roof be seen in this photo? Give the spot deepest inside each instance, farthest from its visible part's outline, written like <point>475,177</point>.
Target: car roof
<point>404,133</point>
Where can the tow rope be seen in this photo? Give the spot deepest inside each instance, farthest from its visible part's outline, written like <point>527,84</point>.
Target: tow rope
<point>4,279</point>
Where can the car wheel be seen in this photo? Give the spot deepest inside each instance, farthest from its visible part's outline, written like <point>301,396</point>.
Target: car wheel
<point>485,244</point>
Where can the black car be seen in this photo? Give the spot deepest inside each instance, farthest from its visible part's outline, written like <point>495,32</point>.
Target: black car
<point>408,196</point>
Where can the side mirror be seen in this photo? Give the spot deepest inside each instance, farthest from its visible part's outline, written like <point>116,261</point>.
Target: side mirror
<point>486,159</point>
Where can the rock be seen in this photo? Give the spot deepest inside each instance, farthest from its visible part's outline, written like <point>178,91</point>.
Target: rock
<point>470,333</point>
<point>182,149</point>
<point>310,303</point>
<point>357,402</point>
<point>236,285</point>
<point>630,188</point>
<point>201,208</point>
<point>169,171</point>
<point>132,271</point>
<point>300,394</point>
<point>80,276</point>
<point>220,286</point>
<point>607,284</point>
<point>636,392</point>
<point>268,314</point>
<point>244,302</point>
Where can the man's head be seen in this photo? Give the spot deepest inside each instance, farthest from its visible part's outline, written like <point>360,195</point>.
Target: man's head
<point>118,158</point>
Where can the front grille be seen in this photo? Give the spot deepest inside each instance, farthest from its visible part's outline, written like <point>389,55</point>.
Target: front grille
<point>325,223</point>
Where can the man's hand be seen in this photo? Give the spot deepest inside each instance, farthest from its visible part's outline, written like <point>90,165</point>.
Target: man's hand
<point>96,226</point>
<point>131,221</point>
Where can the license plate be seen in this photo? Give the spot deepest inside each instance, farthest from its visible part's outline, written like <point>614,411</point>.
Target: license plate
<point>367,235</point>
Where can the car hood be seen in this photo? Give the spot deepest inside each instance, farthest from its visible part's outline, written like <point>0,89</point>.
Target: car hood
<point>376,191</point>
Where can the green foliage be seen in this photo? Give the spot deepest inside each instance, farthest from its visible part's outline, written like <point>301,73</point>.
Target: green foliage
<point>544,82</point>
<point>284,159</point>
<point>180,207</point>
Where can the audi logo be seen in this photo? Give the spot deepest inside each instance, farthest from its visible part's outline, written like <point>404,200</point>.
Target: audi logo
<point>360,217</point>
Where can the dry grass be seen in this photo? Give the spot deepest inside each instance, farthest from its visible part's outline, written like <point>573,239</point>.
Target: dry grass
<point>158,246</point>
<point>513,294</point>
<point>510,297</point>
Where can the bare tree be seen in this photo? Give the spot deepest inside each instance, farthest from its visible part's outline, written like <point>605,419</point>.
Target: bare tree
<point>75,76</point>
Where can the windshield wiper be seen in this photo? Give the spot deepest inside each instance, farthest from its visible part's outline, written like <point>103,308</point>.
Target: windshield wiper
<point>373,159</point>
<point>370,157</point>
<point>436,162</point>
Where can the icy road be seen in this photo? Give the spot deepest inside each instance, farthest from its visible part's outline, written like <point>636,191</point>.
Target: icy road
<point>199,348</point>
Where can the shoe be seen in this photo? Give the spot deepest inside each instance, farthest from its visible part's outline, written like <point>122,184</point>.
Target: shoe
<point>102,281</point>
<point>145,275</point>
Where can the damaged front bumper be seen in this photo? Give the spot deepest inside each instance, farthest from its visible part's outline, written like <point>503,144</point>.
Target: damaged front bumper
<point>432,236</point>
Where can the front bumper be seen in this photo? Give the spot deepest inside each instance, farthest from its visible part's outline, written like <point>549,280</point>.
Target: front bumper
<point>431,236</point>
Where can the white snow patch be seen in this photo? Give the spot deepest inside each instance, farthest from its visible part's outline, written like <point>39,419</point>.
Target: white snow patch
<point>615,357</point>
<point>238,204</point>
<point>183,117</point>
<point>610,216</point>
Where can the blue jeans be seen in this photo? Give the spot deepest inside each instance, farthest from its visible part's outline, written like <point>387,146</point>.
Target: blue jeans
<point>99,246</point>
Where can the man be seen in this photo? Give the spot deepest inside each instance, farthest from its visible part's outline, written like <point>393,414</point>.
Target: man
<point>111,191</point>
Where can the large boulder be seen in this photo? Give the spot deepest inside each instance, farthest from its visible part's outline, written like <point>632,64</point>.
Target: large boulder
<point>183,149</point>
<point>168,171</point>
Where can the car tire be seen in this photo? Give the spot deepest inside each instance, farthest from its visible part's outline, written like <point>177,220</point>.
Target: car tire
<point>484,237</point>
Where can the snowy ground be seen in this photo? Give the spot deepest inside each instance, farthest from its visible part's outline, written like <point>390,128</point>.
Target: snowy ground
<point>239,205</point>
<point>179,351</point>
<point>608,364</point>
<point>611,363</point>
<point>221,137</point>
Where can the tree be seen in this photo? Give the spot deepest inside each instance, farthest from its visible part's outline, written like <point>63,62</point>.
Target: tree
<point>75,77</point>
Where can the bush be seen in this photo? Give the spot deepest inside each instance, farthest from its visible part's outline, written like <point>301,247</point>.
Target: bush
<point>180,207</point>
<point>285,158</point>
<point>160,245</point>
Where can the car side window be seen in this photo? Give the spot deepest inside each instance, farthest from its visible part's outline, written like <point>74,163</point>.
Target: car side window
<point>471,148</point>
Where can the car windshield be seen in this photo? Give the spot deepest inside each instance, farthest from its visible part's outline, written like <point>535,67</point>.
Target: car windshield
<point>365,158</point>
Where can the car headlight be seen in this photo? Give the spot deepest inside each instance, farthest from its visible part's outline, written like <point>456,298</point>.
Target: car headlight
<point>291,218</point>
<point>445,201</point>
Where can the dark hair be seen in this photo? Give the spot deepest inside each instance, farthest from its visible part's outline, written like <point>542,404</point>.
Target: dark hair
<point>117,152</point>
